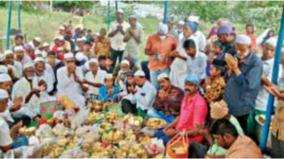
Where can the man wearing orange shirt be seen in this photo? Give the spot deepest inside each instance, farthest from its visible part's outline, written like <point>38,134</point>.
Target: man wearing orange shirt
<point>158,48</point>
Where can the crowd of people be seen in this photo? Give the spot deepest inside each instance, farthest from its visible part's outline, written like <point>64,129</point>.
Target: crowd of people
<point>210,87</point>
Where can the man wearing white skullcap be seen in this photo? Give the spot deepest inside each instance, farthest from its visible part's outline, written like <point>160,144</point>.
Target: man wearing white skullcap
<point>45,49</point>
<point>35,43</point>
<point>95,77</point>
<point>29,90</point>
<point>180,30</point>
<point>116,34</point>
<point>168,100</point>
<point>144,93</point>
<point>23,54</point>
<point>13,64</point>
<point>122,73</point>
<point>244,83</point>
<point>133,38</point>
<point>5,134</point>
<point>159,57</point>
<point>109,91</point>
<point>44,73</point>
<point>70,81</point>
<point>268,50</point>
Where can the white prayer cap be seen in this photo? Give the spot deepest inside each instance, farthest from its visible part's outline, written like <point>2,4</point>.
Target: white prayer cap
<point>28,65</point>
<point>59,37</point>
<point>126,62</point>
<point>38,39</point>
<point>243,39</point>
<point>3,69</point>
<point>139,73</point>
<point>181,22</point>
<point>271,41</point>
<point>3,94</point>
<point>19,48</point>
<point>37,52</point>
<point>4,77</point>
<point>162,76</point>
<point>8,52</point>
<point>120,11</point>
<point>193,18</point>
<point>162,29</point>
<point>93,60</point>
<point>61,28</point>
<point>108,76</point>
<point>80,57</point>
<point>39,59</point>
<point>2,57</point>
<point>68,55</point>
<point>45,44</point>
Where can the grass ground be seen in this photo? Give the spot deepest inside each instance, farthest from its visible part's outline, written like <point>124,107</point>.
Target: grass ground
<point>44,24</point>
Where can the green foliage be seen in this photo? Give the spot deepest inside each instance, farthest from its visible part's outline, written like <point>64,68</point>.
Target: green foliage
<point>261,13</point>
<point>68,5</point>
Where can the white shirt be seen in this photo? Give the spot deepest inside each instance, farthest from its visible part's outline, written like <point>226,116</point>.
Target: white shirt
<point>5,138</point>
<point>201,40</point>
<point>19,68</point>
<point>22,88</point>
<point>48,77</point>
<point>116,42</point>
<point>145,96</point>
<point>261,100</point>
<point>99,78</point>
<point>197,65</point>
<point>69,87</point>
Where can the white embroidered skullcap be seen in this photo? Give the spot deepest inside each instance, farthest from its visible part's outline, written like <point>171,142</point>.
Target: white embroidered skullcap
<point>39,59</point>
<point>162,76</point>
<point>4,77</point>
<point>28,65</point>
<point>8,52</point>
<point>3,94</point>
<point>243,39</point>
<point>139,73</point>
<point>19,48</point>
<point>126,62</point>
<point>271,41</point>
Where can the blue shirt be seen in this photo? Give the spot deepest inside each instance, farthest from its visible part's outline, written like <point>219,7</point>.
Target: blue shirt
<point>103,94</point>
<point>241,91</point>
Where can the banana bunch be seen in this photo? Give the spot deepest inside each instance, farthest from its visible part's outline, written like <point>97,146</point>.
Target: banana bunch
<point>111,116</point>
<point>27,131</point>
<point>133,120</point>
<point>92,118</point>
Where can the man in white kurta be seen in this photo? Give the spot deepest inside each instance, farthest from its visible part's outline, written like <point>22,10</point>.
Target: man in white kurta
<point>69,80</point>
<point>5,137</point>
<point>25,88</point>
<point>95,77</point>
<point>43,73</point>
<point>145,92</point>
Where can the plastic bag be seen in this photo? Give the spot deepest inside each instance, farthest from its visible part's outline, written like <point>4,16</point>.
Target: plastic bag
<point>44,131</point>
<point>177,147</point>
<point>79,118</point>
<point>155,148</point>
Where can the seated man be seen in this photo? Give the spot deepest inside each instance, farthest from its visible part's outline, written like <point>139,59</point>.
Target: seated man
<point>227,136</point>
<point>94,78</point>
<point>127,94</point>
<point>6,134</point>
<point>121,76</point>
<point>169,98</point>
<point>70,81</point>
<point>193,112</point>
<point>108,92</point>
<point>145,94</point>
<point>29,90</point>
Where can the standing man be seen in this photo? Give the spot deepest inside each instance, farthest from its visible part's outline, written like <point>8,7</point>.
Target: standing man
<point>133,38</point>
<point>244,82</point>
<point>116,35</point>
<point>158,48</point>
